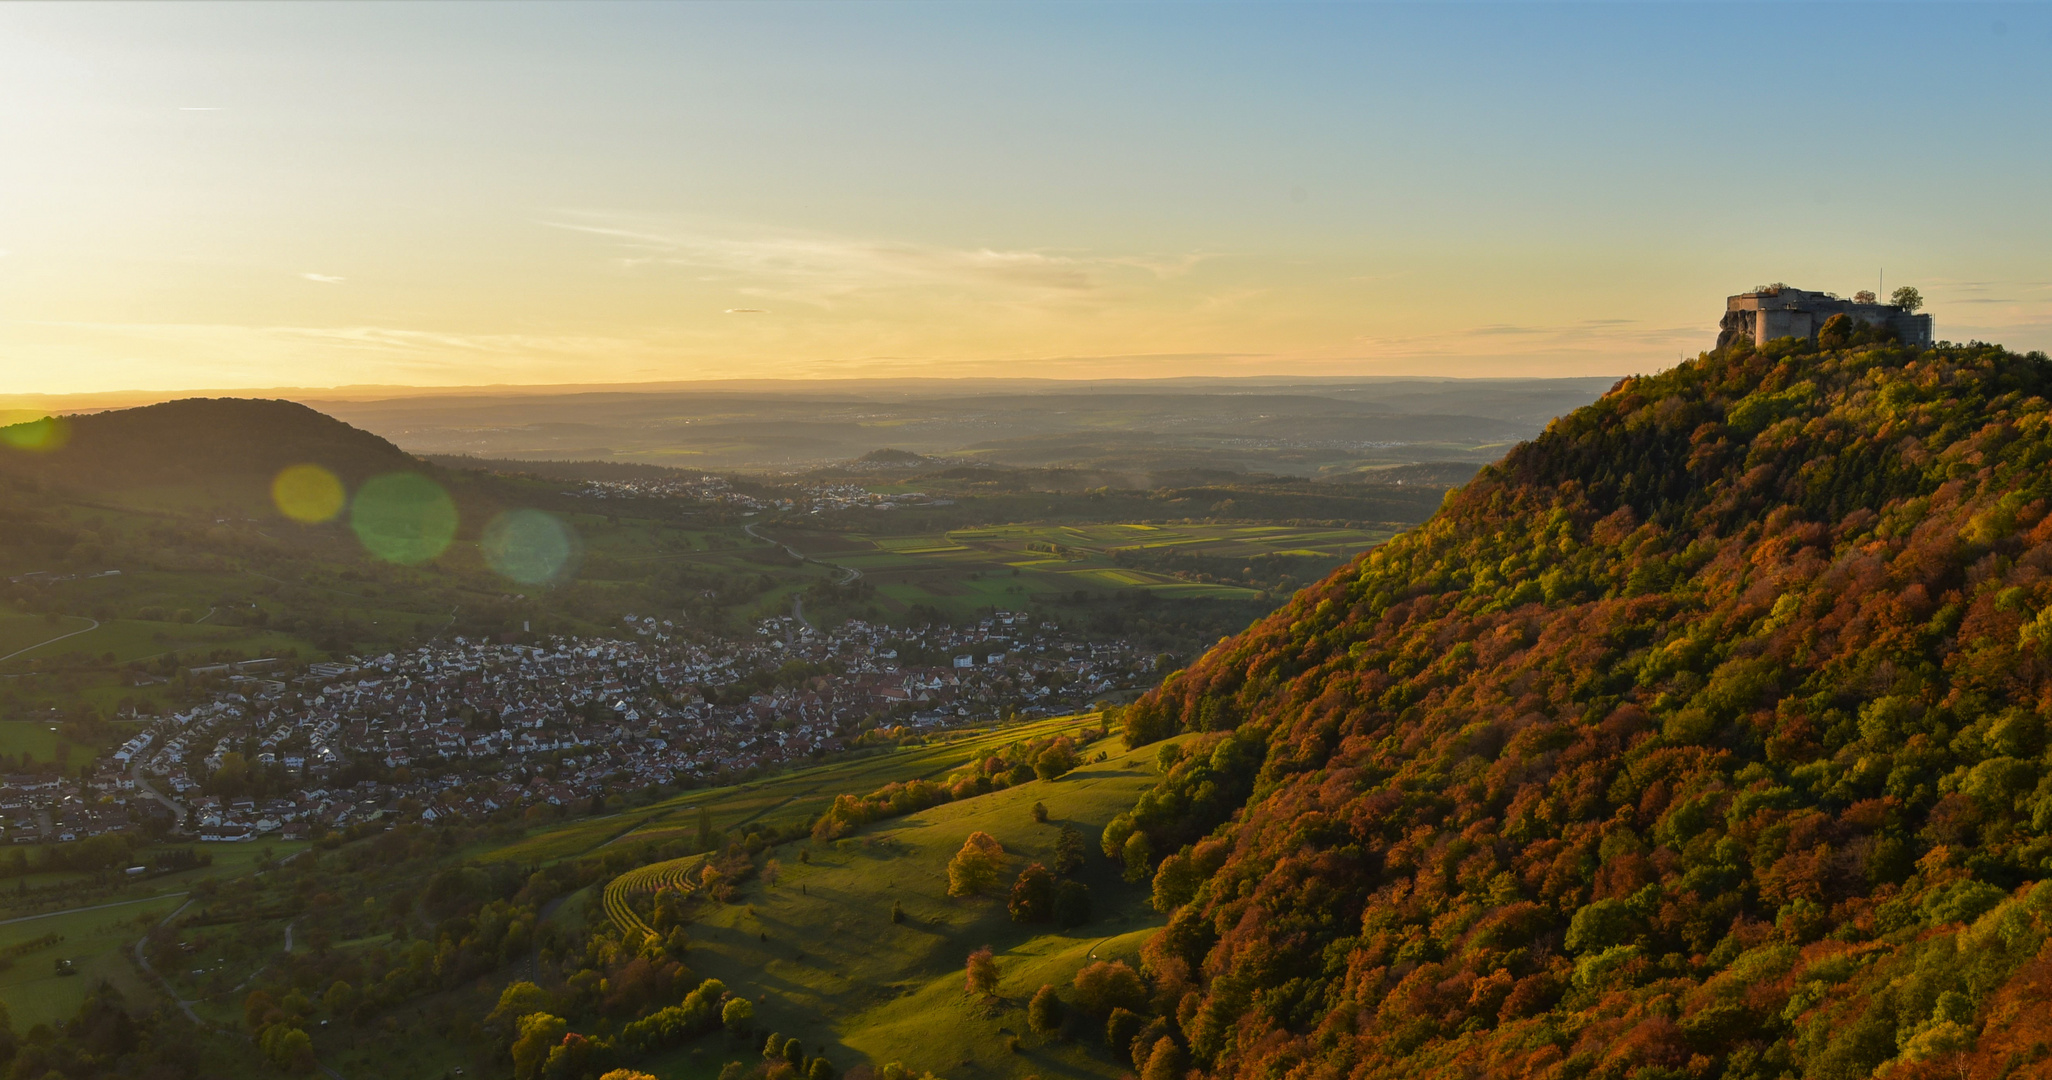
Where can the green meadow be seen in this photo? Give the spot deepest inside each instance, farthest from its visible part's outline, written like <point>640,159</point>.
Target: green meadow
<point>819,953</point>
<point>798,795</point>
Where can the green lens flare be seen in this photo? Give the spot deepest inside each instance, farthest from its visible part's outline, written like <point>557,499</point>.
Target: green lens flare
<point>44,434</point>
<point>530,547</point>
<point>404,518</point>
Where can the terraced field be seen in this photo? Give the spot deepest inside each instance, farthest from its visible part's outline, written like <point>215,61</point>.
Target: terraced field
<point>622,891</point>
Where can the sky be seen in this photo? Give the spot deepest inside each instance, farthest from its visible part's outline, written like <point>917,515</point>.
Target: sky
<point>312,195</point>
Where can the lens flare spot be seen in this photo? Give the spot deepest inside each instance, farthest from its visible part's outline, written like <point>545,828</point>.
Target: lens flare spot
<point>530,547</point>
<point>44,434</point>
<point>308,494</point>
<point>404,518</point>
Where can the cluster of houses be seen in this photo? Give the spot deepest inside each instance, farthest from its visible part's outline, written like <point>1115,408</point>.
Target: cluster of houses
<point>811,498</point>
<point>464,729</point>
<point>712,489</point>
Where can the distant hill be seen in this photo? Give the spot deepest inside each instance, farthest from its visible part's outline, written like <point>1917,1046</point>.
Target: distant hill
<point>1703,735</point>
<point>206,441</point>
<point>900,459</point>
<point>565,470</point>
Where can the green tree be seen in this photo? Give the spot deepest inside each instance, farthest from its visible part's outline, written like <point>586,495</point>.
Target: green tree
<point>821,1069</point>
<point>1072,904</point>
<point>1120,1027</point>
<point>1108,985</point>
<point>1138,855</point>
<point>1058,759</point>
<point>738,1015</point>
<point>341,998</point>
<point>1069,849</point>
<point>897,911</point>
<point>1836,333</point>
<point>1033,895</point>
<point>539,1033</point>
<point>1044,1012</point>
<point>232,777</point>
<point>1040,813</point>
<point>1907,298</point>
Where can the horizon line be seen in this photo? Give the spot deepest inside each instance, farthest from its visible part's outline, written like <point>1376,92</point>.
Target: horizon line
<point>116,399</point>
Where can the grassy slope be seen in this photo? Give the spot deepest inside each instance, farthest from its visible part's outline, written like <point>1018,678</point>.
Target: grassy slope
<point>819,954</point>
<point>798,795</point>
<point>96,942</point>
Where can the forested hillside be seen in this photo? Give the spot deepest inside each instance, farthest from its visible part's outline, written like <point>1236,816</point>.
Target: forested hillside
<point>1703,735</point>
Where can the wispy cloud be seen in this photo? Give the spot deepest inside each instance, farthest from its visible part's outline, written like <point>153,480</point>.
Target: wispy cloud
<point>747,311</point>
<point>820,268</point>
<point>325,279</point>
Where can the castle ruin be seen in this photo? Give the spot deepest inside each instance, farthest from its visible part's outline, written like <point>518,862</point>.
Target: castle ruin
<point>1778,311</point>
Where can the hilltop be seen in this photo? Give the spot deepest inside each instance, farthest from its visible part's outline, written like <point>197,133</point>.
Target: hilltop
<point>1702,735</point>
<point>204,441</point>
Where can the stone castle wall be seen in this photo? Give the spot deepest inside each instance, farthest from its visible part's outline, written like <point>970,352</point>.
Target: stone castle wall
<point>1763,316</point>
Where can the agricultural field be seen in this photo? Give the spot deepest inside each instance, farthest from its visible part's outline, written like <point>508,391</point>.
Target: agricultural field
<point>962,572</point>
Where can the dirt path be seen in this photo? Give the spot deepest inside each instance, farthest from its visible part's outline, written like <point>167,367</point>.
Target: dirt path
<point>95,907</point>
<point>850,574</point>
<point>52,641</point>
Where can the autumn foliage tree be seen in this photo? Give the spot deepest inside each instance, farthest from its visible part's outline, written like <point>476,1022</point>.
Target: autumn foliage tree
<point>1704,734</point>
<point>976,868</point>
<point>982,972</point>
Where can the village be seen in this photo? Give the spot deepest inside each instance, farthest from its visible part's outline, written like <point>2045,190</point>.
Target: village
<point>463,730</point>
<point>813,497</point>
